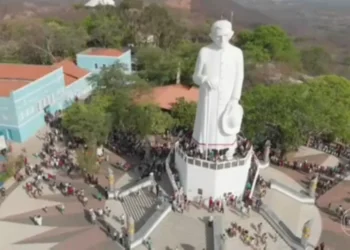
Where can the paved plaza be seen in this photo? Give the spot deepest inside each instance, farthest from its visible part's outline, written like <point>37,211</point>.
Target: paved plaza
<point>72,230</point>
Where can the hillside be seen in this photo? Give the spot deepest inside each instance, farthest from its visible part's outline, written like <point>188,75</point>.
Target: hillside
<point>242,16</point>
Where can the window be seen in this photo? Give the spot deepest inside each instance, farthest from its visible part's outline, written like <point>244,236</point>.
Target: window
<point>96,66</point>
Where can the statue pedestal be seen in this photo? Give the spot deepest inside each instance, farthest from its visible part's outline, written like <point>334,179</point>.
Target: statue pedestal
<point>212,179</point>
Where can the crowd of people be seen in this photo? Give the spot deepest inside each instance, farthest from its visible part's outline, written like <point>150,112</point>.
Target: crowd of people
<point>328,176</point>
<point>336,149</point>
<point>255,238</point>
<point>192,149</point>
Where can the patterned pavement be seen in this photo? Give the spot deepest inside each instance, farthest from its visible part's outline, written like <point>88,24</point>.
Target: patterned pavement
<point>58,231</point>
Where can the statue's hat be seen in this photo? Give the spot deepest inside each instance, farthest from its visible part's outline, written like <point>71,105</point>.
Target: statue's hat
<point>232,119</point>
<point>221,27</point>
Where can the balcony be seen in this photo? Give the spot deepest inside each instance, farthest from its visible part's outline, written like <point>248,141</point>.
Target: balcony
<point>214,165</point>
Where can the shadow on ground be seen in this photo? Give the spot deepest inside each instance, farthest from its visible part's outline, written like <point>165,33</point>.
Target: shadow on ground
<point>209,233</point>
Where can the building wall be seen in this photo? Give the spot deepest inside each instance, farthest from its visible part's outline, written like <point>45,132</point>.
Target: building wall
<point>80,88</point>
<point>30,102</point>
<point>8,118</point>
<point>96,63</point>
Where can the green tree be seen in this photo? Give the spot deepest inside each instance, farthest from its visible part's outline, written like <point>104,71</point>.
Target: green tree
<point>87,159</point>
<point>116,91</point>
<point>271,40</point>
<point>287,113</point>
<point>157,65</point>
<point>14,164</point>
<point>104,27</point>
<point>156,21</point>
<point>187,52</point>
<point>45,42</point>
<point>184,114</point>
<point>149,120</point>
<point>88,121</point>
<point>129,12</point>
<point>316,60</point>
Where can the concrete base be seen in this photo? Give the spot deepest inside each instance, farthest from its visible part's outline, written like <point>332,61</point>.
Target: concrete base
<point>209,179</point>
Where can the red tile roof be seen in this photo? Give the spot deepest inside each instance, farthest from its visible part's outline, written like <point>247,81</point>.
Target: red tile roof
<point>104,52</point>
<point>166,96</point>
<point>71,71</point>
<point>16,76</point>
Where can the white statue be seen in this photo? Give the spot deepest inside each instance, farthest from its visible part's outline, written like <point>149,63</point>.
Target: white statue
<point>219,73</point>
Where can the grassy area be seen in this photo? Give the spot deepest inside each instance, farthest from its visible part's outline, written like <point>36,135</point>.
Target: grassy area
<point>3,177</point>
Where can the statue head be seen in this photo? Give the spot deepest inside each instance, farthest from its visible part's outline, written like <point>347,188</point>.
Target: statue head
<point>221,33</point>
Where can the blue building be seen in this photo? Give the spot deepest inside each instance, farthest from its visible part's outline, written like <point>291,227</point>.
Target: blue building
<point>94,59</point>
<point>27,92</point>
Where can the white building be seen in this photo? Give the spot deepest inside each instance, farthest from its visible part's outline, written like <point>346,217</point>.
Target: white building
<point>94,3</point>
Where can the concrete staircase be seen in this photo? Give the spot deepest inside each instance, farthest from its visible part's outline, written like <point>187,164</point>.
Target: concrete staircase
<point>139,205</point>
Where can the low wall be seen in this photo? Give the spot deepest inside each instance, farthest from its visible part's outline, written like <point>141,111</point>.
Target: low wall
<point>302,198</point>
<point>145,231</point>
<point>170,173</point>
<point>149,181</point>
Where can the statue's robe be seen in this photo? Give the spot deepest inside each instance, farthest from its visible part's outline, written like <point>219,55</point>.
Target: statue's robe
<point>225,67</point>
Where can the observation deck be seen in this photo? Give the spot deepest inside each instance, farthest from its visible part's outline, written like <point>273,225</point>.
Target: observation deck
<point>205,178</point>
<point>214,165</point>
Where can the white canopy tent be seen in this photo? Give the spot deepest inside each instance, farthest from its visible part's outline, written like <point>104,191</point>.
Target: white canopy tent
<point>94,3</point>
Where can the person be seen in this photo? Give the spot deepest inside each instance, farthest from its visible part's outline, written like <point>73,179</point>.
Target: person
<point>107,211</point>
<point>61,208</point>
<point>219,74</point>
<point>100,212</point>
<point>92,215</point>
<point>122,219</point>
<point>115,235</point>
<point>38,220</point>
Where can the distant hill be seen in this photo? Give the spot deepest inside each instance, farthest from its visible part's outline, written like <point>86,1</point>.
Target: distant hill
<point>243,16</point>
<point>214,9</point>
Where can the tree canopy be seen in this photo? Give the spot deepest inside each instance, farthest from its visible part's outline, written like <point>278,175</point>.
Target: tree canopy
<point>316,61</point>
<point>268,43</point>
<point>87,159</point>
<point>184,114</point>
<point>88,121</point>
<point>288,113</point>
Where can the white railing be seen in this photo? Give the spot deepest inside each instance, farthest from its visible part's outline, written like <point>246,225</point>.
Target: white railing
<point>302,198</point>
<point>211,164</point>
<point>170,173</point>
<point>150,225</point>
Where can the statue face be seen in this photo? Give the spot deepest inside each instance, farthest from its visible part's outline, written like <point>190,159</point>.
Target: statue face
<point>222,39</point>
